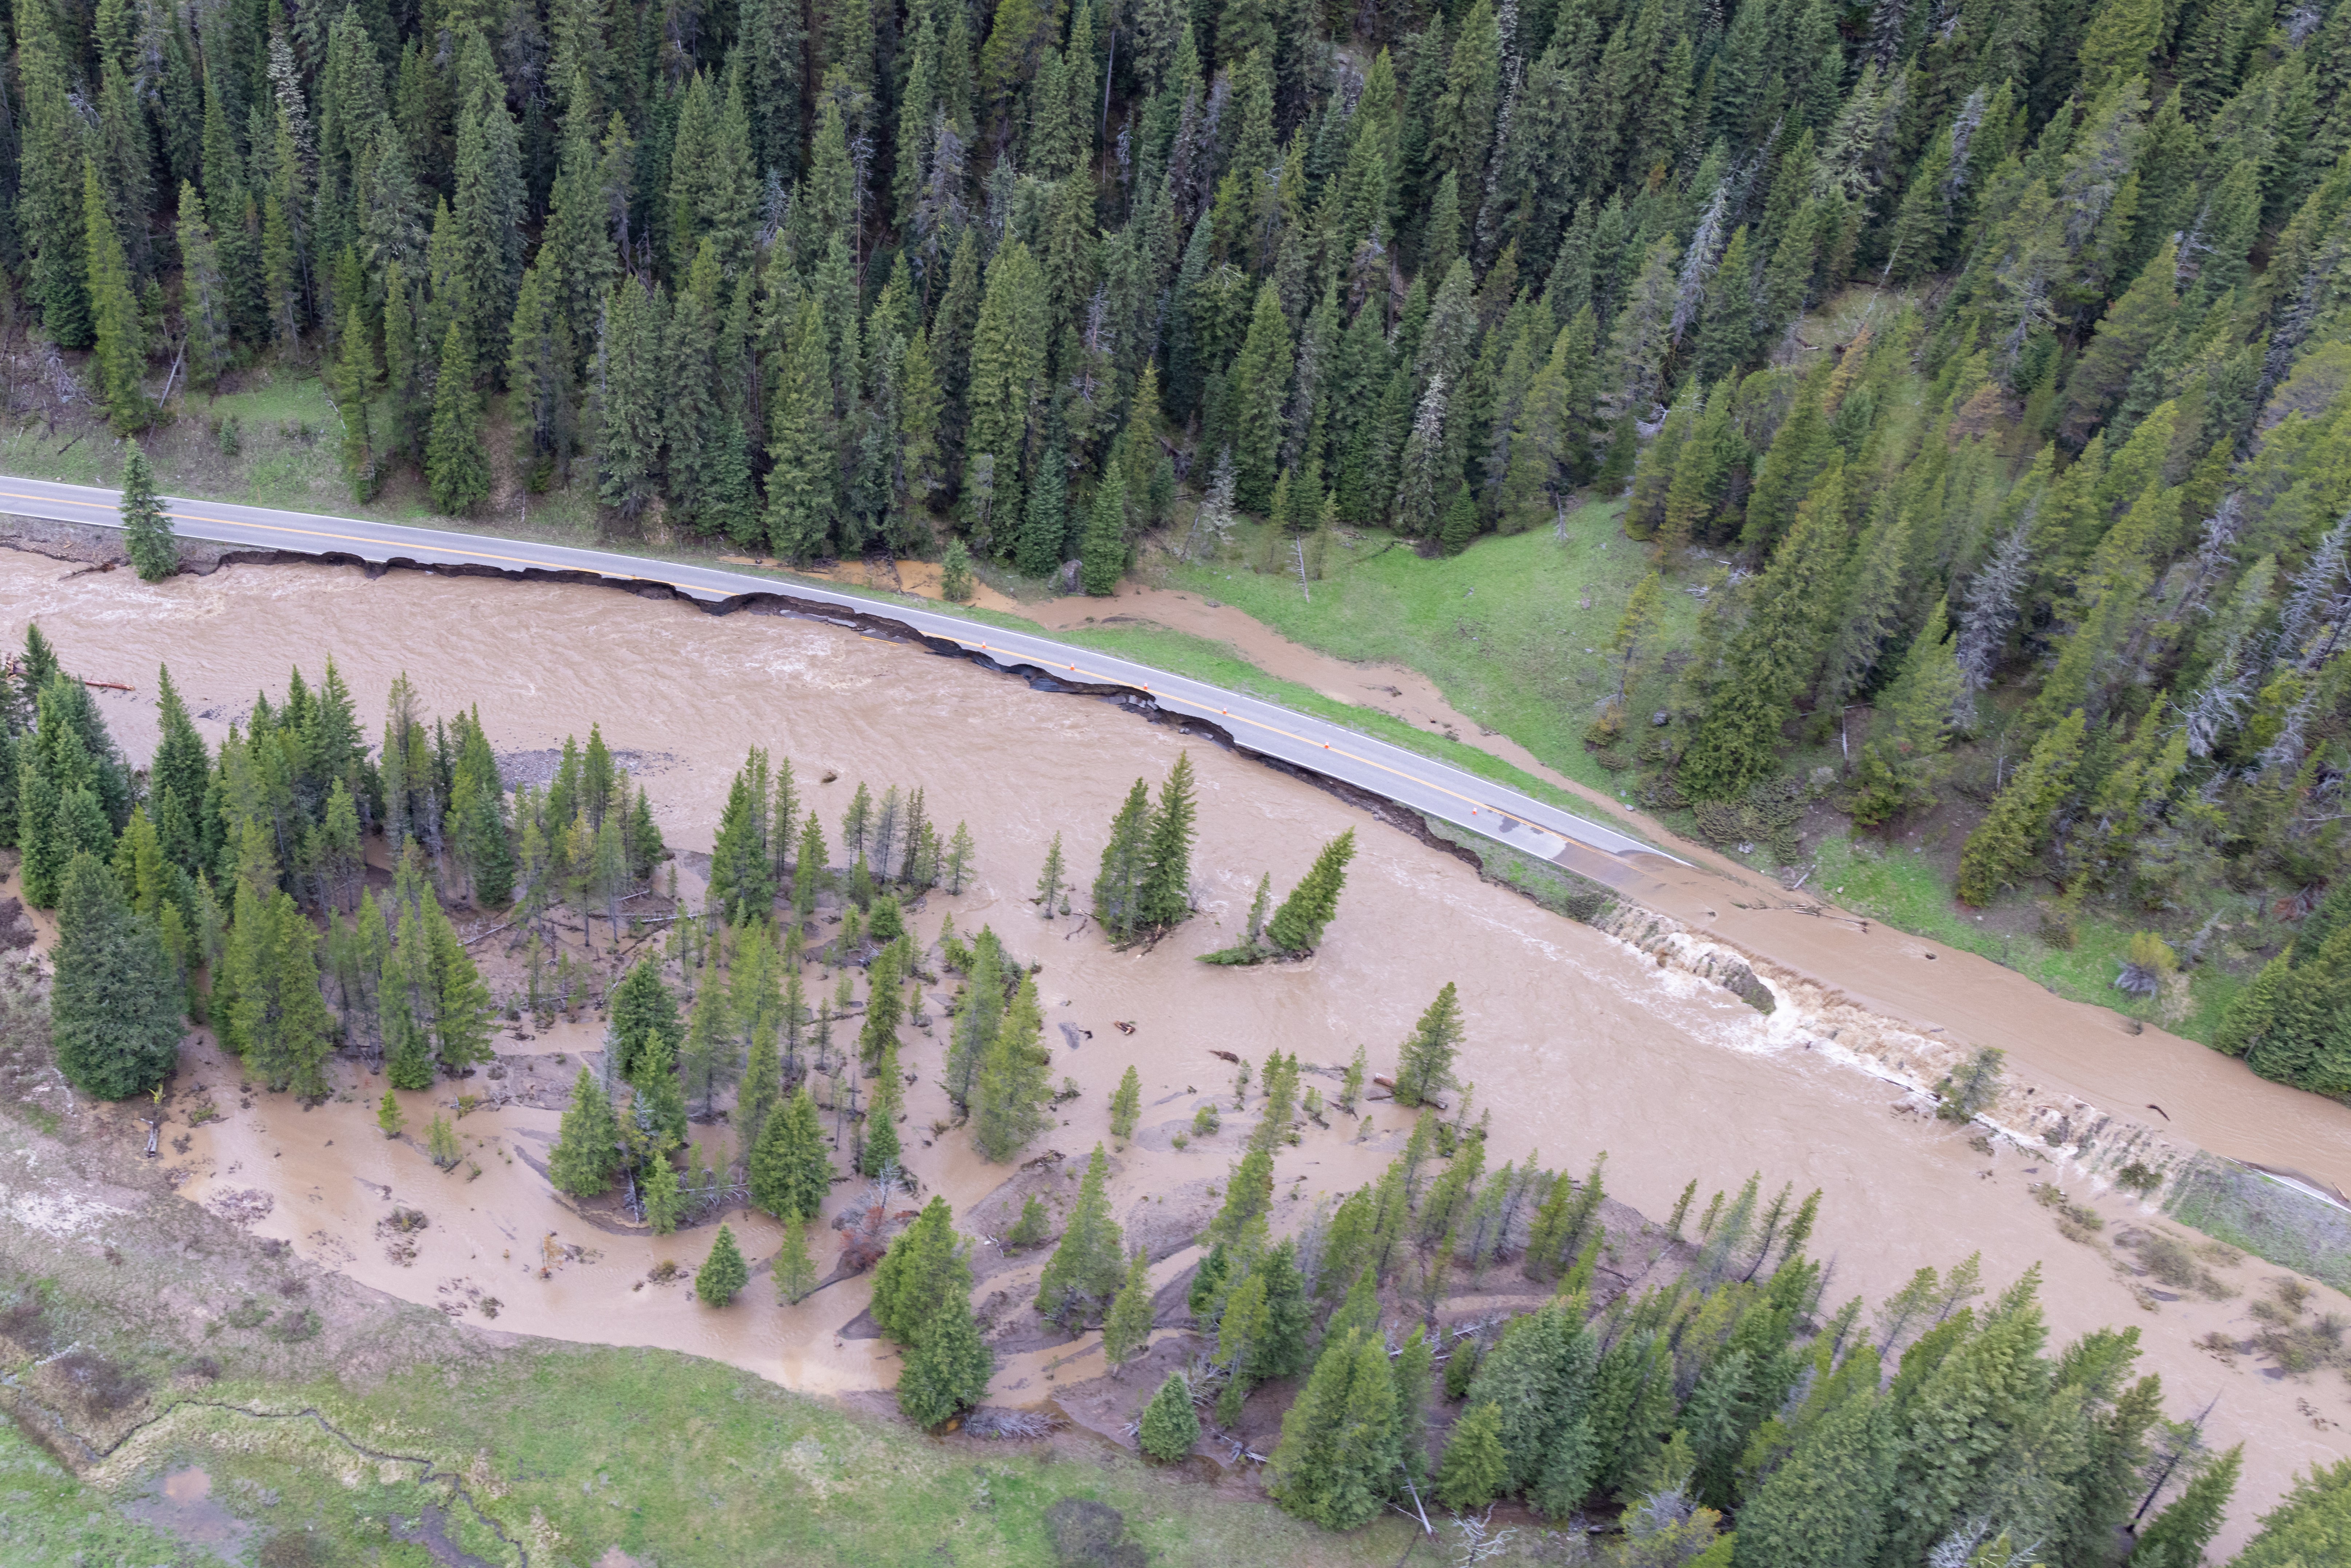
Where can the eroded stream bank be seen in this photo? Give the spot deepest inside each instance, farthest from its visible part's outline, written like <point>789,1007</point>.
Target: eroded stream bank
<point>1578,1042</point>
<point>1806,943</point>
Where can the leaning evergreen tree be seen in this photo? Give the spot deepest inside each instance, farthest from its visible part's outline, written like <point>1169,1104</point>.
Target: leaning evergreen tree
<point>1297,927</point>
<point>791,1173</point>
<point>121,351</point>
<point>1126,1331</point>
<point>1425,1065</point>
<point>642,1008</point>
<point>795,1270</point>
<point>882,1149</point>
<point>455,460</point>
<point>1122,861</point>
<point>1824,1503</point>
<point>2176,1537</point>
<point>1475,1471</point>
<point>927,1266</point>
<point>1051,882</point>
<point>1127,1104</point>
<point>146,526</point>
<point>114,1007</point>
<point>1008,1103</point>
<point>664,1197</point>
<point>2019,819</point>
<point>1339,1451</point>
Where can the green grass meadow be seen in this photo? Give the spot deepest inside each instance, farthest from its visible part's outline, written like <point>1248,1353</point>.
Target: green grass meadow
<point>1907,891</point>
<point>670,1459</point>
<point>1515,630</point>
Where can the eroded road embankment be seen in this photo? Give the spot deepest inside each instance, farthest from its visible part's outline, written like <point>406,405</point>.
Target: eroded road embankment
<point>2066,1049</point>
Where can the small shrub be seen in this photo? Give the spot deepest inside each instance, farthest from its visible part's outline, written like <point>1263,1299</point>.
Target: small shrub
<point>2137,1177</point>
<point>292,1549</point>
<point>2076,1222</point>
<point>1971,1089</point>
<point>956,584</point>
<point>295,1325</point>
<point>1033,1226</point>
<point>2297,1345</point>
<point>103,1386</point>
<point>2149,960</point>
<point>1205,1121</point>
<point>246,1314</point>
<point>1090,1534</point>
<point>2172,1261</point>
<point>21,1319</point>
<point>230,432</point>
<point>1169,1425</point>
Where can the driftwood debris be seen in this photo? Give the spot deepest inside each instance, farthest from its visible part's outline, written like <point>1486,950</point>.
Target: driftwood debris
<point>1384,1081</point>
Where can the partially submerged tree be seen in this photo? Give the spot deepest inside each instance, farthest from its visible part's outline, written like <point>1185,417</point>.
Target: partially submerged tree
<point>724,1274</point>
<point>1425,1063</point>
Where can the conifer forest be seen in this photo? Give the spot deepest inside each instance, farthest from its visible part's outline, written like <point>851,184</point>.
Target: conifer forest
<point>1978,368</point>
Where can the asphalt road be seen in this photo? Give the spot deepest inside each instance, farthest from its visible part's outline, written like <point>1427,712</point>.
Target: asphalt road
<point>1405,777</point>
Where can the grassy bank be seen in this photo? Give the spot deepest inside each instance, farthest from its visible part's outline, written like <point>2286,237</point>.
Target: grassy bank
<point>272,437</point>
<point>51,1519</point>
<point>1515,630</point>
<point>1180,652</point>
<point>1906,890</point>
<point>673,1459</point>
<point>1504,630</point>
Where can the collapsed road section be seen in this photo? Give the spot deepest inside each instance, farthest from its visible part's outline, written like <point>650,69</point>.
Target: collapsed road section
<point>1298,741</point>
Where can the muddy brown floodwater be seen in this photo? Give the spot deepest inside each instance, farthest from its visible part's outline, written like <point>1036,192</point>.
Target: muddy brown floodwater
<point>2206,1099</point>
<point>1577,1042</point>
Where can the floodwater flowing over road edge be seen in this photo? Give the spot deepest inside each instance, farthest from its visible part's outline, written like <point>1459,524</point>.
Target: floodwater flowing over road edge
<point>1579,1040</point>
<point>2076,1050</point>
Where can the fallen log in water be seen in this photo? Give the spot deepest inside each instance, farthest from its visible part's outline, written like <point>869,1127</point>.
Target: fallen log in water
<point>1384,1081</point>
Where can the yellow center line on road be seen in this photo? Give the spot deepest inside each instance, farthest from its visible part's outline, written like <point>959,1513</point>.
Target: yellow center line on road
<point>1474,807</point>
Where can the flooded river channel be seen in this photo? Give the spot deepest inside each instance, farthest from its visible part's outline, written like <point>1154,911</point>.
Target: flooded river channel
<point>1576,1041</point>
